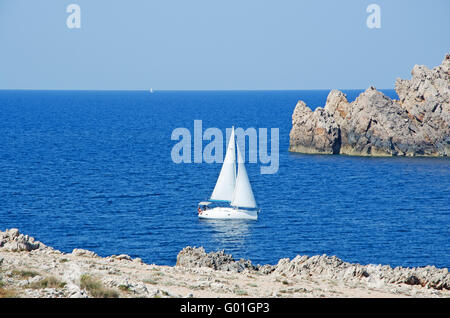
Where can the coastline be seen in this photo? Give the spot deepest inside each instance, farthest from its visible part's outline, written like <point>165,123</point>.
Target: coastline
<point>30,269</point>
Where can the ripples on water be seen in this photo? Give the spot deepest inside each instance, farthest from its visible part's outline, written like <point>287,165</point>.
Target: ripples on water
<point>93,170</point>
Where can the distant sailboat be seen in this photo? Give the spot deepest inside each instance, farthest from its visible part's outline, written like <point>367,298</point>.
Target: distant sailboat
<point>231,189</point>
<point>151,90</point>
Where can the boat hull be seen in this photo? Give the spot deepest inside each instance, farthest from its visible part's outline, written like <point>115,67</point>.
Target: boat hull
<point>221,213</point>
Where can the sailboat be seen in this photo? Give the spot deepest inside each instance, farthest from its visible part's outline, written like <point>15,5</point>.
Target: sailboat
<point>233,193</point>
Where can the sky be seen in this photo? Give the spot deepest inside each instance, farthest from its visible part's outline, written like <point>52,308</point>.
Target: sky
<point>218,44</point>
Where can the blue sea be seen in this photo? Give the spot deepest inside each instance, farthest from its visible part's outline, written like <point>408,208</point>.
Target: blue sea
<point>93,170</point>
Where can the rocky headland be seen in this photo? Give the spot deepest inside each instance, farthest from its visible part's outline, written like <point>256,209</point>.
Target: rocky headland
<point>418,124</point>
<point>30,269</point>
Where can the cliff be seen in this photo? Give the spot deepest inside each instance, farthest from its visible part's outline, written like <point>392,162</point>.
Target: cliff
<point>418,124</point>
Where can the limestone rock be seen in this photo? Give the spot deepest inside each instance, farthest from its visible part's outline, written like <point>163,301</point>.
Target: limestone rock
<point>331,267</point>
<point>316,132</point>
<point>122,257</point>
<point>209,274</point>
<point>418,124</point>
<point>192,257</point>
<point>12,240</point>
<point>83,252</point>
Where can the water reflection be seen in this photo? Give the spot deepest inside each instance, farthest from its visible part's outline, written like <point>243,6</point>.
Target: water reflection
<point>229,233</point>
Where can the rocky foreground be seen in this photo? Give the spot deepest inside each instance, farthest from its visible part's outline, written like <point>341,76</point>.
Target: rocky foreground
<point>29,268</point>
<point>418,124</point>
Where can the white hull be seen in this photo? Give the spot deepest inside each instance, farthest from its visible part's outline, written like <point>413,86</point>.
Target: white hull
<point>229,213</point>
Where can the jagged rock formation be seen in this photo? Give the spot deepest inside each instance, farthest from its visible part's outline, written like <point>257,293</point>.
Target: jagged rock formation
<point>12,240</point>
<point>196,257</point>
<point>29,268</point>
<point>330,267</point>
<point>418,124</point>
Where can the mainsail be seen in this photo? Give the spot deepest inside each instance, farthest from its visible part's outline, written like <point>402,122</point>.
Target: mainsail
<point>223,191</point>
<point>243,194</point>
<point>229,187</point>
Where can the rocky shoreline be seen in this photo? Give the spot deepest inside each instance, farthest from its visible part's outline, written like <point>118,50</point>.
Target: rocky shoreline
<point>418,124</point>
<point>29,268</point>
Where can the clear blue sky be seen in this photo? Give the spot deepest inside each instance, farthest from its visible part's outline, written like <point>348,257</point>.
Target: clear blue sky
<point>218,44</point>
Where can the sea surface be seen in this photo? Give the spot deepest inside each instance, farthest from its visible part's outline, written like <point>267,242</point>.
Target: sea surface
<point>93,170</point>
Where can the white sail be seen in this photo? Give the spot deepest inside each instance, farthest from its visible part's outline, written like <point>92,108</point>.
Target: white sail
<point>243,194</point>
<point>223,191</point>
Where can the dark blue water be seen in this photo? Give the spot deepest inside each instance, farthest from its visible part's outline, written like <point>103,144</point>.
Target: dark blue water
<point>93,170</point>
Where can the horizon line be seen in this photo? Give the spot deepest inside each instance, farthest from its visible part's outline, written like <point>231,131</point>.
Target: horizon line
<point>182,90</point>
